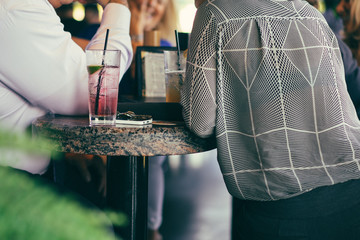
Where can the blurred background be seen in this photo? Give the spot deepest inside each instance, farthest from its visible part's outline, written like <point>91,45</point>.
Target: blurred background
<point>186,12</point>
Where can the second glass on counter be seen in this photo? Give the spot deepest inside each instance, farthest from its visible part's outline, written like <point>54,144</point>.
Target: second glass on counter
<point>104,73</point>
<point>175,64</point>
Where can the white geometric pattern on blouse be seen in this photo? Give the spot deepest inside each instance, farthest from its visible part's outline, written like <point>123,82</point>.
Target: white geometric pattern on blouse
<point>267,77</point>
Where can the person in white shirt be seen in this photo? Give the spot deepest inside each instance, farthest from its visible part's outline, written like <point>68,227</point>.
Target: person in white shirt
<point>42,69</point>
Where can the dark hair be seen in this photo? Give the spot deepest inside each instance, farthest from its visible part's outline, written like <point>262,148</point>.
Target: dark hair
<point>314,3</point>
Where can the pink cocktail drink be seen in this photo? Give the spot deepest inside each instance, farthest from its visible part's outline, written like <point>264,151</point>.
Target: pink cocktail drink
<point>103,94</point>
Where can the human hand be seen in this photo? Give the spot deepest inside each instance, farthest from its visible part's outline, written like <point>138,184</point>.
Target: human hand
<point>103,3</point>
<point>138,17</point>
<point>83,163</point>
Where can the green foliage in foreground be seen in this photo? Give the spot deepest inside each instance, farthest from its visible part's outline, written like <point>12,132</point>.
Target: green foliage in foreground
<point>31,210</point>
<point>24,142</point>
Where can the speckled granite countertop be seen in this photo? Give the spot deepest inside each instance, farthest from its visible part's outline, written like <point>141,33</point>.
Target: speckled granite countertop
<point>73,134</point>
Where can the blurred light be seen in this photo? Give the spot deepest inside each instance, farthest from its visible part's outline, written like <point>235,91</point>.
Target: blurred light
<point>322,6</point>
<point>186,17</point>
<point>101,10</point>
<point>78,11</point>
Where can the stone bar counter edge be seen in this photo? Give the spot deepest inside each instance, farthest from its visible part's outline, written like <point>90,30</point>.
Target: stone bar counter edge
<point>73,134</point>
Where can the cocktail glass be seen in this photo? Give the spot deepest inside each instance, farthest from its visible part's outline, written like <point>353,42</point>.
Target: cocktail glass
<point>175,63</point>
<point>104,77</point>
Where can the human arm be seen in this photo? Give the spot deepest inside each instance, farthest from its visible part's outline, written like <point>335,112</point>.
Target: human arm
<point>81,42</point>
<point>352,73</point>
<point>43,65</point>
<point>198,95</point>
<point>84,42</point>
<point>138,21</point>
<point>103,3</point>
<point>116,18</point>
<point>137,26</point>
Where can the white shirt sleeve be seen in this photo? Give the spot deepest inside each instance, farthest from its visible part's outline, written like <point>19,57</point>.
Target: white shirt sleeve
<point>43,65</point>
<point>43,70</point>
<point>116,18</point>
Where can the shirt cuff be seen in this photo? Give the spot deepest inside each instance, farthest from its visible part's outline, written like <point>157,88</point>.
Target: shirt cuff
<point>116,14</point>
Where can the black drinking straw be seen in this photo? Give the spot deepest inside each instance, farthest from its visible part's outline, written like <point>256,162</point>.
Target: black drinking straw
<point>100,74</point>
<point>178,48</point>
<point>105,45</point>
